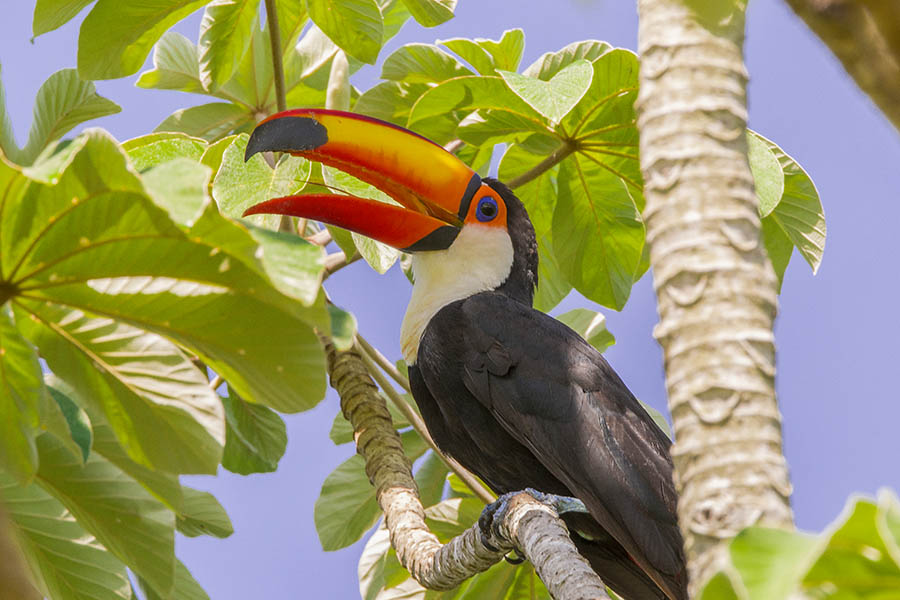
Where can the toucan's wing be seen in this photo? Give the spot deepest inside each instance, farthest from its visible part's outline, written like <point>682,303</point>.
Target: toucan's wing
<point>558,396</point>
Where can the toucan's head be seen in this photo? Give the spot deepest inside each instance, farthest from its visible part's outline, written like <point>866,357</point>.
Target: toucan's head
<point>474,232</point>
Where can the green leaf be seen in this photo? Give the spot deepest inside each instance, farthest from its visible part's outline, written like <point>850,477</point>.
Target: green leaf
<point>888,522</point>
<point>186,587</point>
<point>380,257</point>
<point>203,515</point>
<point>431,477</point>
<point>356,26</point>
<point>799,213</point>
<point>77,422</point>
<point>421,63</point>
<point>67,561</point>
<point>370,570</point>
<point>8,146</point>
<point>126,519</point>
<point>507,52</point>
<point>116,37</point>
<point>590,325</point>
<point>255,438</point>
<point>239,185</point>
<point>390,101</point>
<point>395,14</point>
<point>855,558</point>
<point>473,53</point>
<point>430,13</point>
<point>343,327</point>
<point>113,366</point>
<point>772,562</point>
<point>292,18</point>
<point>53,14</point>
<point>180,186</point>
<point>225,34</point>
<point>155,149</point>
<point>720,587</point>
<point>451,517</point>
<point>63,101</point>
<point>313,52</point>
<point>116,254</point>
<point>779,246</point>
<point>176,66</point>
<point>556,97</point>
<point>346,507</point>
<point>21,391</point>
<point>598,235</point>
<point>551,63</point>
<point>207,121</point>
<point>768,177</point>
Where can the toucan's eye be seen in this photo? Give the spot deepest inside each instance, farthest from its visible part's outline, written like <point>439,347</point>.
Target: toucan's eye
<point>487,209</point>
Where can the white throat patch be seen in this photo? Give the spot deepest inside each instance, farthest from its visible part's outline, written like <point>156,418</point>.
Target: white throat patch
<point>479,260</point>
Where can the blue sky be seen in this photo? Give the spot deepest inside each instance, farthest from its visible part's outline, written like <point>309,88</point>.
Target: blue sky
<point>836,333</point>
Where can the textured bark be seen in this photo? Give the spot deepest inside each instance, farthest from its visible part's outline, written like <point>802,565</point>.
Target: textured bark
<point>715,286</point>
<point>865,37</point>
<point>529,526</point>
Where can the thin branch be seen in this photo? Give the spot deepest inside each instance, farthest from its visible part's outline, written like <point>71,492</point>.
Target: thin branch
<point>419,425</point>
<point>320,238</point>
<point>275,40</point>
<point>338,260</point>
<point>531,527</point>
<point>382,361</point>
<point>216,382</point>
<point>542,167</point>
<point>453,146</point>
<point>865,36</point>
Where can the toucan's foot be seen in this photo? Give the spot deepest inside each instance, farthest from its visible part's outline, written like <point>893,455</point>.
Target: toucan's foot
<point>493,515</point>
<point>561,504</point>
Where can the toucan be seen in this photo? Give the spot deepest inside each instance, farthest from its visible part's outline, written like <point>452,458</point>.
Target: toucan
<point>514,395</point>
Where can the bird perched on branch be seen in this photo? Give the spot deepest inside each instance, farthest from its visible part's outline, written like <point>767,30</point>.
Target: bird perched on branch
<point>514,395</point>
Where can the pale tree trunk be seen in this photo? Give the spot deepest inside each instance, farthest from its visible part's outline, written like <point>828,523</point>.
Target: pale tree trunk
<point>715,286</point>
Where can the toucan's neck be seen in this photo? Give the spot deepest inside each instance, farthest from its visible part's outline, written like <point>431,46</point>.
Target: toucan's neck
<point>481,259</point>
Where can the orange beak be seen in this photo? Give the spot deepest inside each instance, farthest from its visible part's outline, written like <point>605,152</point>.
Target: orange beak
<point>434,187</point>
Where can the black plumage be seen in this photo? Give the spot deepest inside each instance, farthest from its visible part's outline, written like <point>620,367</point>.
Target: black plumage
<point>523,401</point>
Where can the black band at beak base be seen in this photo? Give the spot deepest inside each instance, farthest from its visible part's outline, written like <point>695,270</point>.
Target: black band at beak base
<point>287,134</point>
<point>439,239</point>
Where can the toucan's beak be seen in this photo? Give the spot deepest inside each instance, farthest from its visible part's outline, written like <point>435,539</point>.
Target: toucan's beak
<point>434,187</point>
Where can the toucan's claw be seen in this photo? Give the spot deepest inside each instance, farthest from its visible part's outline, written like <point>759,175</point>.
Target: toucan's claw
<point>561,504</point>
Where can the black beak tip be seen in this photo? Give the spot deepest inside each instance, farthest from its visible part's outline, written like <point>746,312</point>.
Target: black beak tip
<point>286,134</point>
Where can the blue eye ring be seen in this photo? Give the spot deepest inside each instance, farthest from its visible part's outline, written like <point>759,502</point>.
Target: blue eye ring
<point>486,210</point>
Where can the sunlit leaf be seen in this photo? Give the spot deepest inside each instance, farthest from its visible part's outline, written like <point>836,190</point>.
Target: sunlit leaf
<point>431,12</point>
<point>155,149</point>
<point>116,37</point>
<point>63,101</point>
<point>768,178</point>
<point>556,97</point>
<point>202,514</point>
<point>421,63</point>
<point>356,26</point>
<point>176,66</point>
<point>208,121</point>
<point>772,562</point>
<point>52,14</point>
<point>186,587</point>
<point>551,63</point>
<point>225,34</point>
<point>590,325</point>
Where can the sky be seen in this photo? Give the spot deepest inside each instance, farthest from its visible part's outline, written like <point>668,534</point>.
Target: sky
<point>836,332</point>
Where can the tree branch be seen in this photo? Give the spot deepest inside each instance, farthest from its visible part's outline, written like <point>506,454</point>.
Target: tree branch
<point>419,425</point>
<point>531,527</point>
<point>865,36</point>
<point>275,41</point>
<point>382,361</point>
<point>716,290</point>
<point>545,165</point>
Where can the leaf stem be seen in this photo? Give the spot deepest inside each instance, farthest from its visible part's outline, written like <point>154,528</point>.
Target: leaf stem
<point>278,66</point>
<point>545,165</point>
<point>419,425</point>
<point>216,382</point>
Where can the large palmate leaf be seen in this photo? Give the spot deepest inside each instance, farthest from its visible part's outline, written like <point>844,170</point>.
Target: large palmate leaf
<point>21,391</point>
<point>66,561</point>
<point>52,14</point>
<point>125,518</point>
<point>421,63</point>
<point>176,66</point>
<point>551,63</point>
<point>556,97</point>
<point>116,37</point>
<point>487,56</point>
<point>356,26</point>
<point>590,325</point>
<point>225,34</point>
<point>185,588</point>
<point>208,121</point>
<point>113,253</point>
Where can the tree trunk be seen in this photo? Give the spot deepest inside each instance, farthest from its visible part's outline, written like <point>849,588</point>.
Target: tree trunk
<point>715,286</point>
